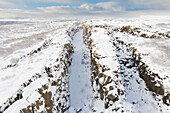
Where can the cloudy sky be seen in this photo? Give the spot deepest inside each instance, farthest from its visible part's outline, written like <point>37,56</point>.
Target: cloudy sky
<point>81,8</point>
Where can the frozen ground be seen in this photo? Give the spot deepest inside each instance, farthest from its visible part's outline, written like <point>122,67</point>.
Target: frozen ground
<point>110,66</point>
<point>80,84</point>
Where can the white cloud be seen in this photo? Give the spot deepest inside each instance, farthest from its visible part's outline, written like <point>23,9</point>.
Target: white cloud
<point>154,4</point>
<point>57,1</point>
<point>87,6</point>
<point>110,6</point>
<point>18,13</point>
<point>4,3</point>
<point>60,10</point>
<point>98,8</point>
<point>102,9</point>
<point>23,3</point>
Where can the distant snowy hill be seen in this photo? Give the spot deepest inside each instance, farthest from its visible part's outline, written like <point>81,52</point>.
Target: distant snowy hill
<point>88,66</point>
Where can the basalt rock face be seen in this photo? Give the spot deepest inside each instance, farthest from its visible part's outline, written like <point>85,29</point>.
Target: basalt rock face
<point>153,85</point>
<point>131,65</point>
<point>152,80</point>
<point>57,100</point>
<point>108,84</point>
<point>18,95</point>
<point>57,78</point>
<point>114,68</point>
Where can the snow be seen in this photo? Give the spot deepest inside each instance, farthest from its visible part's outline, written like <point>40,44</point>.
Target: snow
<point>155,53</point>
<point>103,47</point>
<point>80,85</point>
<point>37,55</point>
<point>135,89</point>
<point>13,77</point>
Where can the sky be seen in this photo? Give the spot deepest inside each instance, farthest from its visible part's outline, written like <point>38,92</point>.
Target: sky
<point>81,8</point>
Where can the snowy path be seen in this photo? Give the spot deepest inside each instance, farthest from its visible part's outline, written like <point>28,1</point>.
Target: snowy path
<point>80,85</point>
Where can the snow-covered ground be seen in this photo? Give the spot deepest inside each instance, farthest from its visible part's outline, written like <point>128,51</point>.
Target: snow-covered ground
<point>80,75</point>
<point>110,66</point>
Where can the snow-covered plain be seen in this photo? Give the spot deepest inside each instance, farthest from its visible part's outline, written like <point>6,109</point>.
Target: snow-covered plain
<point>110,66</point>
